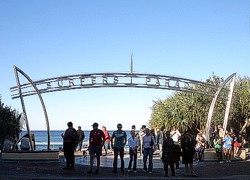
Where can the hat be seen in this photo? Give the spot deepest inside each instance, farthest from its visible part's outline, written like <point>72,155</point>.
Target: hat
<point>95,124</point>
<point>119,125</point>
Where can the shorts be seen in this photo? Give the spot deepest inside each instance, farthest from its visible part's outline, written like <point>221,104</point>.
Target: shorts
<point>95,150</point>
<point>198,149</point>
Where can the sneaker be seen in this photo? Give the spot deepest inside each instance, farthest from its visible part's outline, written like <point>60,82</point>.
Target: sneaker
<point>129,170</point>
<point>229,161</point>
<point>221,162</point>
<point>150,172</point>
<point>145,170</point>
<point>134,171</point>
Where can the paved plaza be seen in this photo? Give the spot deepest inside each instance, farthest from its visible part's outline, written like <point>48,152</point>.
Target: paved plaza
<point>13,169</point>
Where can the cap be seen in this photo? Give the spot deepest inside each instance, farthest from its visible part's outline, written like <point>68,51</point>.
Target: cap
<point>119,125</point>
<point>95,124</point>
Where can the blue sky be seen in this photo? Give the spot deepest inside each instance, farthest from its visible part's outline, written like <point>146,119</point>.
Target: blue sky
<point>190,39</point>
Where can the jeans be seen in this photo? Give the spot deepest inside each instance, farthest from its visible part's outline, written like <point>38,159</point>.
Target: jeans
<point>133,158</point>
<point>148,153</point>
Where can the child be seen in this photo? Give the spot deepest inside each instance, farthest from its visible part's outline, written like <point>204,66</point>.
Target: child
<point>236,147</point>
<point>133,144</point>
<point>218,148</point>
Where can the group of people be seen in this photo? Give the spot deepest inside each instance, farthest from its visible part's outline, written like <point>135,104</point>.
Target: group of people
<point>10,145</point>
<point>226,145</point>
<point>174,145</point>
<point>170,144</point>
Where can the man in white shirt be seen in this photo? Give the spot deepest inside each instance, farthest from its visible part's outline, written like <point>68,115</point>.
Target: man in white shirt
<point>133,143</point>
<point>175,135</point>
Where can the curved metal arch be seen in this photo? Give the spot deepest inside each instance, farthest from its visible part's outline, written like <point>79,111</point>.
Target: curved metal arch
<point>16,70</point>
<point>232,77</point>
<point>136,76</point>
<point>98,80</point>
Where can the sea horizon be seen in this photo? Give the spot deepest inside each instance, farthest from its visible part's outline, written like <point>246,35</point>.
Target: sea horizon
<point>56,141</point>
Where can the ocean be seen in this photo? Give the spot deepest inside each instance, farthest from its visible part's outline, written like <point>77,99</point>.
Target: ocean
<point>41,140</point>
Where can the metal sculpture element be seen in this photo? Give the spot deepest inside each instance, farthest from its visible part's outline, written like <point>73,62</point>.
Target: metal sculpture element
<point>97,80</point>
<point>16,70</point>
<point>229,99</point>
<point>135,80</point>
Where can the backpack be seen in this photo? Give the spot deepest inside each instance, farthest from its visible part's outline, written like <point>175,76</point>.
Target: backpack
<point>75,136</point>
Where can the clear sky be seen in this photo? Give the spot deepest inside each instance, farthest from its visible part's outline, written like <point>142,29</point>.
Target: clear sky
<point>184,38</point>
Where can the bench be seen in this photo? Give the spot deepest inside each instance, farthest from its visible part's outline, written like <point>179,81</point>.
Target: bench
<point>30,155</point>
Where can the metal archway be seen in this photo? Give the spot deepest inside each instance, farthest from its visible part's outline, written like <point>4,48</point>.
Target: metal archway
<point>135,80</point>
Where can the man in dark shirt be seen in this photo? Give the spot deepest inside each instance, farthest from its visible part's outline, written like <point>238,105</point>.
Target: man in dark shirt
<point>118,141</point>
<point>69,147</point>
<point>96,141</point>
<point>81,136</point>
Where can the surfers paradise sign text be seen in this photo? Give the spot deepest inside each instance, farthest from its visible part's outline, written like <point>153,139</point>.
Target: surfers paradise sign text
<point>112,80</point>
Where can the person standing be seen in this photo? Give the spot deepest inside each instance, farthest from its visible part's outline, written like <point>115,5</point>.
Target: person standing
<point>221,132</point>
<point>236,146</point>
<point>107,140</point>
<point>227,146</point>
<point>133,144</point>
<point>81,137</point>
<point>175,134</point>
<point>188,151</point>
<point>160,138</point>
<point>96,141</point>
<point>148,143</point>
<point>141,134</point>
<point>218,148</point>
<point>118,141</point>
<point>69,147</point>
<point>200,146</point>
<point>136,133</point>
<point>168,154</point>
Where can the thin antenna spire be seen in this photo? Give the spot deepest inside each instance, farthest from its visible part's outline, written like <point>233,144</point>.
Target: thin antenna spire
<point>131,64</point>
<point>131,68</point>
